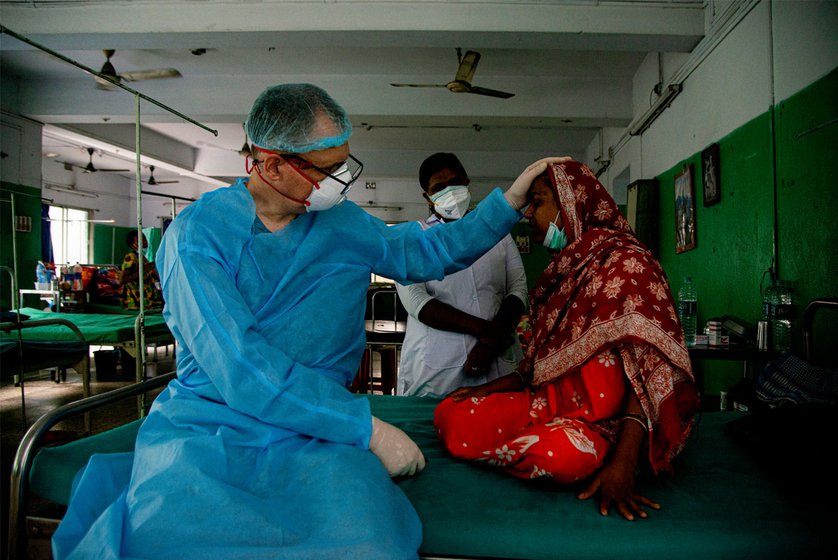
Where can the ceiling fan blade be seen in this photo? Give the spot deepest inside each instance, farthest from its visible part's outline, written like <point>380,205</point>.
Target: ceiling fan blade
<point>465,72</point>
<point>418,85</point>
<point>113,170</point>
<point>490,92</point>
<point>153,181</point>
<point>157,74</point>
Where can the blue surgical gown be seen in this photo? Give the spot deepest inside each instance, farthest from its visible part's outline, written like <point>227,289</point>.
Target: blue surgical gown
<point>257,449</point>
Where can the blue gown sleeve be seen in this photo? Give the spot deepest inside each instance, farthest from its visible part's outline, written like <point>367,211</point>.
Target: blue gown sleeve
<point>446,248</point>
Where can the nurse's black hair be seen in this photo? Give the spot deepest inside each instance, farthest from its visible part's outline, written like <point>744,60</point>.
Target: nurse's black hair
<point>436,163</point>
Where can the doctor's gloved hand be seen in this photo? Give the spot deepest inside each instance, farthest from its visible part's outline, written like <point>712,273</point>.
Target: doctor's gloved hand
<point>516,195</point>
<point>396,451</point>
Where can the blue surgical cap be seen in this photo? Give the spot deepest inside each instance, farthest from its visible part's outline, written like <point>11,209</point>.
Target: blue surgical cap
<point>284,119</point>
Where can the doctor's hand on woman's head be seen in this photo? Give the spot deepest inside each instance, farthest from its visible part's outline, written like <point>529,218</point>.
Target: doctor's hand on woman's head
<point>394,448</point>
<point>516,195</point>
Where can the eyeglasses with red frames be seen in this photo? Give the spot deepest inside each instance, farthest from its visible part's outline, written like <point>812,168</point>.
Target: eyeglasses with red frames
<point>352,164</point>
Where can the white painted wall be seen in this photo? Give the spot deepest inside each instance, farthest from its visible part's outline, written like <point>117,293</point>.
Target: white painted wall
<point>736,82</point>
<point>110,196</point>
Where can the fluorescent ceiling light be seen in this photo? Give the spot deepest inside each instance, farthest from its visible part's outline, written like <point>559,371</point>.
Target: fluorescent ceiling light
<point>68,189</point>
<point>640,125</point>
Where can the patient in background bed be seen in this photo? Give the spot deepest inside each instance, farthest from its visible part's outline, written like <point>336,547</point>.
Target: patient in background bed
<point>605,376</point>
<point>129,277</point>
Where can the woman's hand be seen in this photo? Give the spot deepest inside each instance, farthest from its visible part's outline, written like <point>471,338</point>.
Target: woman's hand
<point>505,384</point>
<point>464,393</point>
<point>479,360</point>
<point>615,485</point>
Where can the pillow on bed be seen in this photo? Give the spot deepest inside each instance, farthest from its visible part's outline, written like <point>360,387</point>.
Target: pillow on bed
<point>12,316</point>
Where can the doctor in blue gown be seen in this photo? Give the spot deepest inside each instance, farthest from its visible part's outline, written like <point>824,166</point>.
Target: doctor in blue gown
<point>257,449</point>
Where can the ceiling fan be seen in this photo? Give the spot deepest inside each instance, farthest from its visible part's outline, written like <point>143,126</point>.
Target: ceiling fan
<point>462,79</point>
<point>90,168</point>
<point>109,71</point>
<point>153,181</point>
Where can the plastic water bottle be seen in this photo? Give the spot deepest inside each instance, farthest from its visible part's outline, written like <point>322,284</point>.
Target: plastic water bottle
<point>782,322</point>
<point>77,283</point>
<point>769,301</point>
<point>688,310</point>
<point>41,274</point>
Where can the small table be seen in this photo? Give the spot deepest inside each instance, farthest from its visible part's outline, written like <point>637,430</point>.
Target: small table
<point>737,352</point>
<point>55,294</point>
<point>751,356</point>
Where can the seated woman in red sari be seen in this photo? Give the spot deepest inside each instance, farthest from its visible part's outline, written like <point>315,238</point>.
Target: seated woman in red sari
<point>606,374</point>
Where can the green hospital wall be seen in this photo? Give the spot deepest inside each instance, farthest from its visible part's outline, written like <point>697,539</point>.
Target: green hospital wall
<point>735,238</point>
<point>27,203</point>
<point>536,260</point>
<point>109,246</point>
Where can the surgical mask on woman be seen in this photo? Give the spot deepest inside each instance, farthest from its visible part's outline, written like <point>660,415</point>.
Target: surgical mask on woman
<point>555,238</point>
<point>452,202</point>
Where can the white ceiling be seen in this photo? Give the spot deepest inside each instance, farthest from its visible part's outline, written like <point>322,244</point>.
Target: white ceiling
<point>569,63</point>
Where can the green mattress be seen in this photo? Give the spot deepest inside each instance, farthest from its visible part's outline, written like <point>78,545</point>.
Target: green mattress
<point>97,328</point>
<point>718,504</point>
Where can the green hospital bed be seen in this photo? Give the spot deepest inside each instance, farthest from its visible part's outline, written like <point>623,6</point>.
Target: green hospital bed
<point>719,503</point>
<point>102,329</point>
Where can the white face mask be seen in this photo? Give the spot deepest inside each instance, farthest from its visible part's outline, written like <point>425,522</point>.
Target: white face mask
<point>452,202</point>
<point>555,238</point>
<point>330,192</point>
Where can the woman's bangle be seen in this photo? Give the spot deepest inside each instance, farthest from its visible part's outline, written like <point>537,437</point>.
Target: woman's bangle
<point>639,418</point>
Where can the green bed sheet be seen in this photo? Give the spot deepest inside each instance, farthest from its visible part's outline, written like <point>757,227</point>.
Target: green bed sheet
<point>718,504</point>
<point>97,328</point>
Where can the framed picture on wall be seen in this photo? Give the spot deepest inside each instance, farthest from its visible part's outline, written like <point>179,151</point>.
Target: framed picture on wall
<point>710,175</point>
<point>684,211</point>
<point>522,240</point>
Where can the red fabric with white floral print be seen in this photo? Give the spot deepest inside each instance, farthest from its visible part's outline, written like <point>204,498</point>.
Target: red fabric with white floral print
<point>604,291</point>
<point>549,432</point>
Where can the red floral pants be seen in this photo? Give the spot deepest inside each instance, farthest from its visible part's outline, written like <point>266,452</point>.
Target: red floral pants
<point>549,431</point>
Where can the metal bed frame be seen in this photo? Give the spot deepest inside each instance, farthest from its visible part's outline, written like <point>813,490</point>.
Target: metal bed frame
<point>29,446</point>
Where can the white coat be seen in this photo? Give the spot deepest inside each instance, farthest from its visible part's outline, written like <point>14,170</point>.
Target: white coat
<point>432,360</point>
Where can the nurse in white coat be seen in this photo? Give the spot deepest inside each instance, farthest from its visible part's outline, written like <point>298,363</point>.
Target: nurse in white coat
<point>461,329</point>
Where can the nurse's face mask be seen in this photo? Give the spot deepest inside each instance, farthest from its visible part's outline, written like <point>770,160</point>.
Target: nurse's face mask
<point>452,202</point>
<point>327,192</point>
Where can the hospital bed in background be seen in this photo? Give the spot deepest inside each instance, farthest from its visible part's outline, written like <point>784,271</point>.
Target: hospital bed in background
<point>720,503</point>
<point>118,331</point>
<point>385,323</point>
<point>19,355</point>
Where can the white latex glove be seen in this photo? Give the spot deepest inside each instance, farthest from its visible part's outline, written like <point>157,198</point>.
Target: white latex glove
<point>516,195</point>
<point>397,452</point>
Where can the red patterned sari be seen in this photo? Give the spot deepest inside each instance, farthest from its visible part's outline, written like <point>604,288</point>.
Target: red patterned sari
<point>603,300</point>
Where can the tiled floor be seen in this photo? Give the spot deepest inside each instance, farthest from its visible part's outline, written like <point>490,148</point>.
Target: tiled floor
<point>41,395</point>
